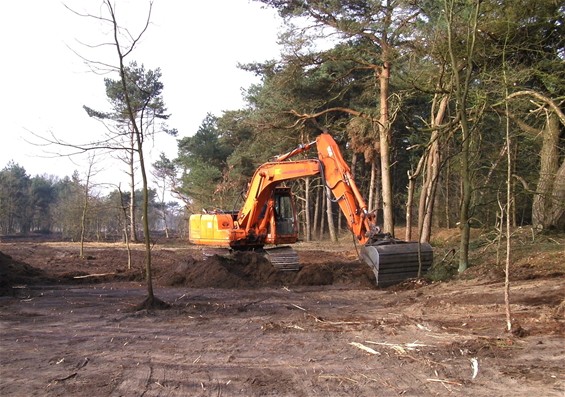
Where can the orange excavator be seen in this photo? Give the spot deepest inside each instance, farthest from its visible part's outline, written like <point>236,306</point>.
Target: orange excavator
<point>268,217</point>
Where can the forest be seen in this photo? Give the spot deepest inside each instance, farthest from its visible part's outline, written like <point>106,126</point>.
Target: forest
<point>66,207</point>
<point>450,114</point>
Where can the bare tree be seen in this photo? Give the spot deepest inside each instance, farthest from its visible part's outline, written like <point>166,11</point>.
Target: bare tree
<point>164,173</point>
<point>129,160</point>
<point>124,208</point>
<point>87,188</point>
<point>462,68</point>
<point>130,110</point>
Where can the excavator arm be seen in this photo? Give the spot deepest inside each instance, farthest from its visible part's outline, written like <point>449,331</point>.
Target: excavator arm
<point>338,179</point>
<point>334,171</point>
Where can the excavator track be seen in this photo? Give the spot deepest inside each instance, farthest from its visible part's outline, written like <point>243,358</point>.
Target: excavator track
<point>283,258</point>
<point>396,261</point>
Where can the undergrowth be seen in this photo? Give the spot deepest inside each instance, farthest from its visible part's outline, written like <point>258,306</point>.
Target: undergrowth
<point>532,253</point>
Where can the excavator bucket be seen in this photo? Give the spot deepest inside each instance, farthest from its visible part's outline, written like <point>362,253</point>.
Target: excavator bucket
<point>396,261</point>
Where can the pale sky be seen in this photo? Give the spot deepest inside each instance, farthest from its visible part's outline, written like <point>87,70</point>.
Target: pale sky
<point>197,45</point>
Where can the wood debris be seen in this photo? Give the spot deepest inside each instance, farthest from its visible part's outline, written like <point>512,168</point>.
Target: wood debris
<point>95,275</point>
<point>475,367</point>
<point>449,382</point>
<point>364,348</point>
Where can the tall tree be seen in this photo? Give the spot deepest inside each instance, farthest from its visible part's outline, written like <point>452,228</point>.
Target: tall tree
<point>87,192</point>
<point>164,172</point>
<point>42,199</point>
<point>136,98</point>
<point>15,214</point>
<point>531,37</point>
<point>203,160</point>
<point>378,27</point>
<point>144,91</point>
<point>462,64</point>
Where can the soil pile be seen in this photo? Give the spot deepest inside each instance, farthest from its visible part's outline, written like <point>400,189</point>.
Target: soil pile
<point>238,270</point>
<point>251,270</point>
<point>14,273</point>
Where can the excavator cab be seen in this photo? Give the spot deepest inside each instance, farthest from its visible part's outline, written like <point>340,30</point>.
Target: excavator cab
<point>279,219</point>
<point>283,225</point>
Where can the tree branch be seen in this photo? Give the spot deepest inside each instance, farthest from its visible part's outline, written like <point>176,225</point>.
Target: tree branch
<point>356,113</point>
<point>543,98</point>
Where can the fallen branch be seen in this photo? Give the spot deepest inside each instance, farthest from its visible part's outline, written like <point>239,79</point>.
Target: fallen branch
<point>342,322</point>
<point>449,382</point>
<point>365,348</point>
<point>95,275</point>
<point>321,320</point>
<point>83,363</point>
<point>400,348</point>
<point>65,378</point>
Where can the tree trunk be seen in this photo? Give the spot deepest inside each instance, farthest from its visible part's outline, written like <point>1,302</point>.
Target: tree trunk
<point>145,219</point>
<point>126,237</point>
<point>447,186</point>
<point>372,187</point>
<point>308,230</point>
<point>411,185</point>
<point>548,204</point>
<point>315,220</point>
<point>83,216</point>
<point>329,212</point>
<point>132,225</point>
<point>164,211</point>
<point>377,204</point>
<point>466,189</point>
<point>323,204</point>
<point>463,66</point>
<point>509,199</point>
<point>85,207</point>
<point>431,174</point>
<point>558,214</point>
<point>409,200</point>
<point>513,210</point>
<point>384,141</point>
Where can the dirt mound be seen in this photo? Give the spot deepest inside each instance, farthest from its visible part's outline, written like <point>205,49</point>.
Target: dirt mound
<point>251,270</point>
<point>14,273</point>
<point>239,270</point>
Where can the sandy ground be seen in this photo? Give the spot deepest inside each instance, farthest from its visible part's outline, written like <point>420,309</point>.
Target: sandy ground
<point>237,328</point>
